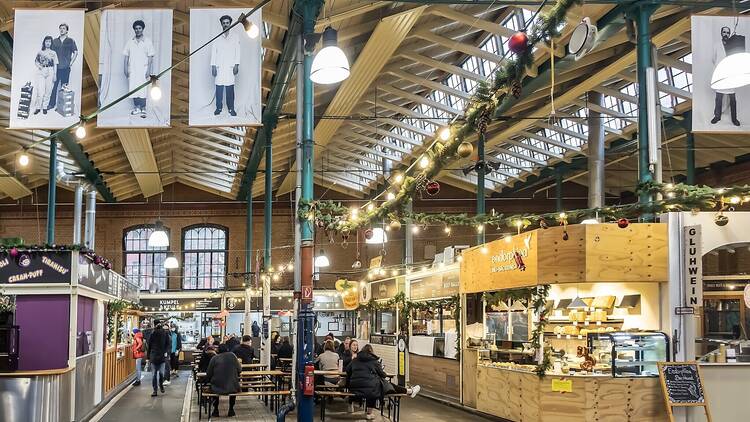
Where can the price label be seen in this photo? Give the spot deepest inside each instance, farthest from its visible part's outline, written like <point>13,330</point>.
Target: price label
<point>562,385</point>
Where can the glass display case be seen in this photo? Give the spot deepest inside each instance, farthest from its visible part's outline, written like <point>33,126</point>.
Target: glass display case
<point>631,354</point>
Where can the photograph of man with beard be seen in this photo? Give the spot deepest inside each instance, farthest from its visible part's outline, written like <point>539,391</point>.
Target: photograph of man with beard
<point>729,44</point>
<point>225,64</point>
<point>67,52</point>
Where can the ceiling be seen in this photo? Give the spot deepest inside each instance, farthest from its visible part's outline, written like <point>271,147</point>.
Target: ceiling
<point>413,67</point>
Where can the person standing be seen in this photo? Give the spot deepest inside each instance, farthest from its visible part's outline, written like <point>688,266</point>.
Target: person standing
<point>46,75</point>
<point>158,349</point>
<point>139,61</point>
<point>245,350</point>
<point>139,352</point>
<point>729,45</point>
<point>174,352</point>
<point>223,375</point>
<point>225,64</point>
<point>67,52</point>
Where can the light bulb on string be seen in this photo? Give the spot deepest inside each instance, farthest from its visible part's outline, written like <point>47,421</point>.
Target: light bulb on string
<point>251,29</point>
<point>80,130</point>
<point>398,178</point>
<point>370,207</point>
<point>445,133</point>
<point>155,91</point>
<point>415,229</point>
<point>424,162</point>
<point>447,230</point>
<point>290,266</point>
<point>23,159</point>
<point>391,196</point>
<point>480,228</point>
<point>354,212</point>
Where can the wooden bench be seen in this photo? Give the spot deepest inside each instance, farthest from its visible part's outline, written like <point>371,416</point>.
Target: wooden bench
<point>209,395</point>
<point>325,394</point>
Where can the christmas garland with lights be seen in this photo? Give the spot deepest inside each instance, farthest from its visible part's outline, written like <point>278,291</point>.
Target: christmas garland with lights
<point>334,217</point>
<point>536,299</point>
<point>453,142</point>
<point>114,308</point>
<point>16,248</point>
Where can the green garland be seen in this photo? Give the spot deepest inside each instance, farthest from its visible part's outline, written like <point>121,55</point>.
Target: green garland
<point>479,110</point>
<point>7,302</point>
<point>333,216</point>
<point>535,298</point>
<point>114,308</point>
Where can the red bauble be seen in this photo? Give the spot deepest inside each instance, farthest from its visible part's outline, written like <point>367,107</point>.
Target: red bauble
<point>519,42</point>
<point>368,234</point>
<point>13,252</point>
<point>623,222</point>
<point>432,188</point>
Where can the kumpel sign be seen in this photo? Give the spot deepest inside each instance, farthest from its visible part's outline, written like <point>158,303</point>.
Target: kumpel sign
<point>692,266</point>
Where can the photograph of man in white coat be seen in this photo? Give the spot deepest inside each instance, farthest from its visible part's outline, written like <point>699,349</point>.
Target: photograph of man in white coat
<point>729,44</point>
<point>139,61</point>
<point>225,65</point>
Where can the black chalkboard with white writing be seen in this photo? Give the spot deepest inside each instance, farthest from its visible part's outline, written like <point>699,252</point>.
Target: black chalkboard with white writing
<point>683,384</point>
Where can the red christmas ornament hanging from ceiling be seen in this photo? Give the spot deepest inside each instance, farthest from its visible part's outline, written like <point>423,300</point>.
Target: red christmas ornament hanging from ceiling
<point>519,42</point>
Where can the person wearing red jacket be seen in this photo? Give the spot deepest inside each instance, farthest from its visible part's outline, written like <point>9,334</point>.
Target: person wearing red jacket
<point>139,352</point>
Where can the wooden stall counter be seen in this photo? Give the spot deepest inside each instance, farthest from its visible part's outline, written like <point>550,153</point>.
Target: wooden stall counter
<point>519,395</point>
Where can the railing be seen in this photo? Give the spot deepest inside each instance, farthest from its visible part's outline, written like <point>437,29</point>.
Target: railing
<point>119,365</point>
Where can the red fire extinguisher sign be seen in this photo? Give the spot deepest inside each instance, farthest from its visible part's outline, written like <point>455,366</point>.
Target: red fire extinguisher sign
<point>309,387</point>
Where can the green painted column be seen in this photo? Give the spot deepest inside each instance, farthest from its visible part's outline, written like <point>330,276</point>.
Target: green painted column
<point>52,191</point>
<point>268,208</point>
<point>690,159</point>
<point>480,185</point>
<point>558,189</point>
<point>249,232</point>
<point>642,16</point>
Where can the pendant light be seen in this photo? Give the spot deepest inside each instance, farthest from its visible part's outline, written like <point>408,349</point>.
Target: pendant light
<point>159,237</point>
<point>578,303</point>
<point>330,65</point>
<point>171,262</point>
<point>321,261</point>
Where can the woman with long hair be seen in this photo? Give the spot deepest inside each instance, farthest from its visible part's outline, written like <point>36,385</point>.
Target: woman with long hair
<point>46,64</point>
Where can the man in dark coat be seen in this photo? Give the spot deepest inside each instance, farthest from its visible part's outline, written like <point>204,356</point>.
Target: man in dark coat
<point>245,350</point>
<point>159,344</point>
<point>232,342</point>
<point>223,374</point>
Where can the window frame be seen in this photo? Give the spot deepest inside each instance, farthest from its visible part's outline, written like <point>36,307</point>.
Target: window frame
<point>125,252</point>
<point>185,251</point>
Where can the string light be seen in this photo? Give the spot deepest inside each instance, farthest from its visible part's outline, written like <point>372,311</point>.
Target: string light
<point>508,238</point>
<point>23,159</point>
<point>415,229</point>
<point>80,130</point>
<point>290,266</point>
<point>354,212</point>
<point>447,230</point>
<point>734,200</point>
<point>483,249</point>
<point>398,178</point>
<point>391,196</point>
<point>480,228</point>
<point>563,216</point>
<point>155,92</point>
<point>424,162</point>
<point>445,133</point>
<point>251,29</point>
<point>394,273</point>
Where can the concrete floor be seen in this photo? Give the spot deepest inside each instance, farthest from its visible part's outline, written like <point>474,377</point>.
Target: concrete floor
<point>137,405</point>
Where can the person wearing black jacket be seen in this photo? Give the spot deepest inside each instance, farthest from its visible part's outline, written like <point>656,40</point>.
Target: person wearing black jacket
<point>159,344</point>
<point>366,378</point>
<point>245,350</point>
<point>223,375</point>
<point>285,350</point>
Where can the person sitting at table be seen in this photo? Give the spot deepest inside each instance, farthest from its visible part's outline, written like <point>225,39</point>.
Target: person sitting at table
<point>207,341</point>
<point>208,353</point>
<point>366,379</point>
<point>319,347</point>
<point>232,342</point>
<point>350,354</point>
<point>285,350</point>
<point>329,361</point>
<point>223,376</point>
<point>245,350</point>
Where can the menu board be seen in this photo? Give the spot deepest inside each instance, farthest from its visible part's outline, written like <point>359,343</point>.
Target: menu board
<point>434,286</point>
<point>682,386</point>
<point>30,267</point>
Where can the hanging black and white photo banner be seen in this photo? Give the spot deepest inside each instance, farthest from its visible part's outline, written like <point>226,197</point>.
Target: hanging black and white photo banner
<point>716,107</point>
<point>225,76</point>
<point>47,66</point>
<point>134,44</point>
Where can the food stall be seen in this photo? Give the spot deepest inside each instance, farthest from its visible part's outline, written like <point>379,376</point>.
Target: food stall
<point>63,301</point>
<point>570,324</point>
<point>378,320</point>
<point>433,332</point>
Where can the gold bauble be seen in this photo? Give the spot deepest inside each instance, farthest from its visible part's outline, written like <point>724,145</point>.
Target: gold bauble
<point>465,149</point>
<point>395,225</point>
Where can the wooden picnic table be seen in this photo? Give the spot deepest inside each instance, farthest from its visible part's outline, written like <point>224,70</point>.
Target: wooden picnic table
<point>272,373</point>
<point>253,366</point>
<point>339,374</point>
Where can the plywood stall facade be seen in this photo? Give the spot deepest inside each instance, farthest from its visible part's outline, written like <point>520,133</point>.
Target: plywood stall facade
<point>592,253</point>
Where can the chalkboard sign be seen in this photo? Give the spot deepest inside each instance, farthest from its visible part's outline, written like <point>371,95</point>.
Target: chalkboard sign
<point>682,385</point>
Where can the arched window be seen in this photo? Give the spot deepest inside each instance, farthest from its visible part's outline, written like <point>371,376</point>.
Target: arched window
<point>204,257</point>
<point>143,264</point>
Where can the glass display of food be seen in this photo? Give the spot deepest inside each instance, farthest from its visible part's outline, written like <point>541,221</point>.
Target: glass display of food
<point>630,354</point>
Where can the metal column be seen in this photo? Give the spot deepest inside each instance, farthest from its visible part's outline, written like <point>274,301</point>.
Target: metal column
<point>89,229</point>
<point>248,259</point>
<point>596,152</point>
<point>51,191</point>
<point>306,317</point>
<point>558,189</point>
<point>267,264</point>
<point>480,184</point>
<point>642,16</point>
<point>690,141</point>
<point>77,213</point>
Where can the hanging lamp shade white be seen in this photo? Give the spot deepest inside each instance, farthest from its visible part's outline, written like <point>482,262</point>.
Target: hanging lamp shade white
<point>378,236</point>
<point>732,72</point>
<point>171,262</point>
<point>321,261</point>
<point>330,65</point>
<point>159,237</point>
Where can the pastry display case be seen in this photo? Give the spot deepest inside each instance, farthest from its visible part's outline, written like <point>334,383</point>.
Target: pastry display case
<point>630,354</point>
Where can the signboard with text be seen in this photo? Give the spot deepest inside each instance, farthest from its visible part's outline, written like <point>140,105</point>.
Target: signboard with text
<point>507,262</point>
<point>434,286</point>
<point>36,267</point>
<point>183,304</point>
<point>692,266</point>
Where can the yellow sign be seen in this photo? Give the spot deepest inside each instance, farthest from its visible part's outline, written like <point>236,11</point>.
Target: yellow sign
<point>562,386</point>
<point>376,262</point>
<point>402,363</point>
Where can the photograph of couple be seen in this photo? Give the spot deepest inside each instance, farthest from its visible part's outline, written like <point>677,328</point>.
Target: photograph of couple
<point>46,82</point>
